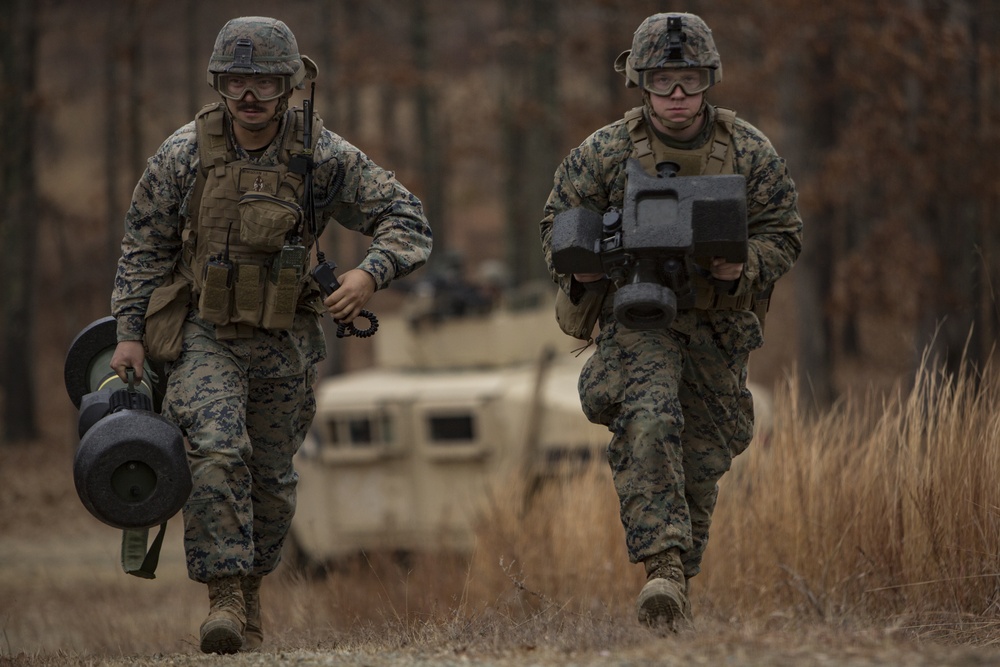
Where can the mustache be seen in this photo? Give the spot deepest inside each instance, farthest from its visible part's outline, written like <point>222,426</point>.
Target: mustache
<point>249,106</point>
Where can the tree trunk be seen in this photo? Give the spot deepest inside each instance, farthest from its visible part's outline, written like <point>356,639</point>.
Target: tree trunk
<point>984,35</point>
<point>18,227</point>
<point>194,57</point>
<point>815,266</point>
<point>512,133</point>
<point>543,131</point>
<point>529,112</point>
<point>428,124</point>
<point>327,81</point>
<point>135,116</point>
<point>952,218</point>
<point>112,137</point>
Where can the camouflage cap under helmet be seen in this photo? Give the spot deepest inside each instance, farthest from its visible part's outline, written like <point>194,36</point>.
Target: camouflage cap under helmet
<point>670,40</point>
<point>259,45</point>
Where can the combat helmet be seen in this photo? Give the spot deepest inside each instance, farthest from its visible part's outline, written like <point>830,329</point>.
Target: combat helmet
<point>674,40</point>
<point>252,45</point>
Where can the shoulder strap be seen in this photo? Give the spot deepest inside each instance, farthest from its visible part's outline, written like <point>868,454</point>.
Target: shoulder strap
<point>212,147</point>
<point>635,121</point>
<point>211,153</point>
<point>295,137</point>
<point>721,141</point>
<point>718,155</point>
<point>725,116</point>
<point>136,560</point>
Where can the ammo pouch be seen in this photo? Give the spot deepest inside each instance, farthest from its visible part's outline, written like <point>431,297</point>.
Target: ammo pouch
<point>283,286</point>
<point>165,315</point>
<point>707,299</point>
<point>216,292</point>
<point>248,294</point>
<point>261,285</point>
<point>762,303</point>
<point>265,220</point>
<point>579,319</point>
<point>252,293</point>
<point>241,216</point>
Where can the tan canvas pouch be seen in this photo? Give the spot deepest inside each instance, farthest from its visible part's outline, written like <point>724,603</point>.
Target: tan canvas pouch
<point>248,294</point>
<point>265,220</point>
<point>579,319</point>
<point>281,298</point>
<point>165,315</point>
<point>216,297</point>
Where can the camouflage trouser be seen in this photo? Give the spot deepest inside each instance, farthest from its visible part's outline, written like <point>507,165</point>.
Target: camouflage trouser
<point>243,431</point>
<point>677,405</point>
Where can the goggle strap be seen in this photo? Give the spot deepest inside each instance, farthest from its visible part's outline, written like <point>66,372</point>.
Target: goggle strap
<point>220,87</point>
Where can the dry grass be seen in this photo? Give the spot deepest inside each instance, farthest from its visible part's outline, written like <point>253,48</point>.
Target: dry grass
<point>878,519</point>
<point>883,510</point>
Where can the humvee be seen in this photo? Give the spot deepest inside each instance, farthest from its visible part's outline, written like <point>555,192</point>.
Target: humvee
<point>402,454</point>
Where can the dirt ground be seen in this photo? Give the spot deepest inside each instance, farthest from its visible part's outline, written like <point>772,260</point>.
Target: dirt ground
<point>64,600</point>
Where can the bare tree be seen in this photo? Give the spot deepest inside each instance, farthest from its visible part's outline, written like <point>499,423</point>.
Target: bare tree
<point>18,226</point>
<point>133,56</point>
<point>194,57</point>
<point>530,130</point>
<point>817,118</point>
<point>894,111</point>
<point>429,134</point>
<point>961,211</point>
<point>112,134</point>
<point>983,19</point>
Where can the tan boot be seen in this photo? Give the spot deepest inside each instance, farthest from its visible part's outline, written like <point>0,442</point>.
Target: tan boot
<point>253,634</point>
<point>663,601</point>
<point>222,631</point>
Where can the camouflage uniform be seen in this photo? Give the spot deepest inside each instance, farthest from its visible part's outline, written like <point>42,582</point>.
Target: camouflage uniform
<point>245,404</point>
<point>676,400</point>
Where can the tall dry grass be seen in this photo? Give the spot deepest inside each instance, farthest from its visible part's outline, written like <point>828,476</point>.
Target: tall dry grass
<point>880,514</point>
<point>884,509</point>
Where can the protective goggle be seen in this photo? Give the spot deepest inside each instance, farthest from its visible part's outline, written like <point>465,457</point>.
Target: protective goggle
<point>692,80</point>
<point>263,86</point>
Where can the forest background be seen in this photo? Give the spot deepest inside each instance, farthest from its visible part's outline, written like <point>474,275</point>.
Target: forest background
<point>887,111</point>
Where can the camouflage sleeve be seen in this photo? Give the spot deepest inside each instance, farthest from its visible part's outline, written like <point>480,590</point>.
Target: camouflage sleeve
<point>774,224</point>
<point>152,241</point>
<point>592,176</point>
<point>361,196</point>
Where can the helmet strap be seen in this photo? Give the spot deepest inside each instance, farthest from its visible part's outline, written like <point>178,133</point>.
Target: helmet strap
<point>282,107</point>
<point>673,125</point>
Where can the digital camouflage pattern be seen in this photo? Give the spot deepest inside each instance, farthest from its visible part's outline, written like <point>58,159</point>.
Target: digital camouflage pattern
<point>593,176</point>
<point>677,405</point>
<point>368,200</point>
<point>275,50</point>
<point>244,429</point>
<point>245,404</point>
<point>676,400</point>
<point>651,48</point>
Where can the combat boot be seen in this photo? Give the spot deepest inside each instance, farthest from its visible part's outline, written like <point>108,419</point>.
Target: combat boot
<point>222,631</point>
<point>253,634</point>
<point>663,601</point>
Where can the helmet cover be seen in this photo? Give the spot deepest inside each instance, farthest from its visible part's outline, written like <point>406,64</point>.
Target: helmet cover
<point>259,45</point>
<point>673,40</point>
